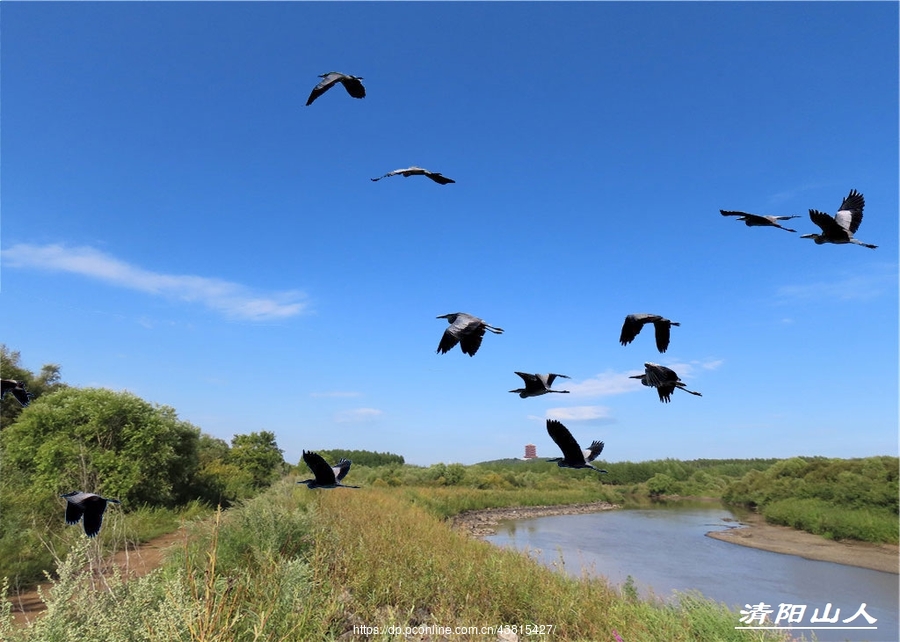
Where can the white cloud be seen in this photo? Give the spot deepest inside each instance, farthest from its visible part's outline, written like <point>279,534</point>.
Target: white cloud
<point>606,384</point>
<point>232,299</point>
<point>687,369</point>
<point>357,415</point>
<point>581,413</point>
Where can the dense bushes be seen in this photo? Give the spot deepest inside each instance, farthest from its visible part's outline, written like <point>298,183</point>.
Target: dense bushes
<point>837,498</point>
<point>115,444</point>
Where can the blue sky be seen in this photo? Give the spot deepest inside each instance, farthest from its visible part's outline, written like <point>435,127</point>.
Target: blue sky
<point>176,223</point>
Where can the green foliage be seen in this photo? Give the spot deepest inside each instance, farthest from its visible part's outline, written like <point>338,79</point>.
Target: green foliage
<point>360,457</point>
<point>834,522</point>
<point>258,455</point>
<point>38,385</point>
<point>102,441</point>
<point>115,444</point>
<point>838,498</point>
<point>660,484</point>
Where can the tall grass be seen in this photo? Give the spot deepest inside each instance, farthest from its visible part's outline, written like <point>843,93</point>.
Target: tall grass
<point>833,522</point>
<point>295,564</point>
<point>446,502</point>
<point>37,547</point>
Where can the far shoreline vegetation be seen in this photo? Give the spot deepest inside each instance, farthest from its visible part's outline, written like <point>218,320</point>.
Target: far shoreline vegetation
<point>169,474</point>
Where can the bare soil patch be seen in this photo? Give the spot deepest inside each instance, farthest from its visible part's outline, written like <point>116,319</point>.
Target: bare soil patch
<point>756,533</point>
<point>132,561</point>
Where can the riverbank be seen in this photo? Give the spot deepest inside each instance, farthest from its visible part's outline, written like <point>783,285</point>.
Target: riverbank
<point>753,531</point>
<point>756,533</point>
<point>481,523</point>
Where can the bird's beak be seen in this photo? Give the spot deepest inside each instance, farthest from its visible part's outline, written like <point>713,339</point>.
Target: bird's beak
<point>808,236</point>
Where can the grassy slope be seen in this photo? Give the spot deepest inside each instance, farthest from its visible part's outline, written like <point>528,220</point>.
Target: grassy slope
<point>295,564</point>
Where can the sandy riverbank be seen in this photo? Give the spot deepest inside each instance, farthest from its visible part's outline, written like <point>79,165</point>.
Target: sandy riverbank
<point>756,533</point>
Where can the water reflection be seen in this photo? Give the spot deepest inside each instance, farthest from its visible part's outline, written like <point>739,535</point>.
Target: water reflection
<point>665,549</point>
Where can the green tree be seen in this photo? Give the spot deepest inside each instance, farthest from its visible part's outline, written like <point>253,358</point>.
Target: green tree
<point>98,440</point>
<point>660,484</point>
<point>10,367</point>
<point>259,455</point>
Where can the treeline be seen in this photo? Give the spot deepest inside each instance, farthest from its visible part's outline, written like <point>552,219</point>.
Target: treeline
<point>835,498</point>
<point>361,457</point>
<point>700,477</point>
<point>114,444</point>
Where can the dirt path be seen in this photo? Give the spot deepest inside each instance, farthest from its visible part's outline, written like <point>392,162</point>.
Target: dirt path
<point>131,562</point>
<point>756,533</point>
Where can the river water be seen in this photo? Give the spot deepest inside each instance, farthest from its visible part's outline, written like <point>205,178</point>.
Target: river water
<point>665,549</point>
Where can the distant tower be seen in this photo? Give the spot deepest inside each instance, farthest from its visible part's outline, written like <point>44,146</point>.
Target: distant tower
<point>530,451</point>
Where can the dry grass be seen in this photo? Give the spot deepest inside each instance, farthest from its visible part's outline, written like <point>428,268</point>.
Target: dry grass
<point>295,564</point>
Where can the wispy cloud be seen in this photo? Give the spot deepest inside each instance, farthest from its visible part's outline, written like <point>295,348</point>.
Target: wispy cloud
<point>232,299</point>
<point>606,384</point>
<point>357,415</point>
<point>335,393</point>
<point>854,287</point>
<point>599,414</point>
<point>688,369</point>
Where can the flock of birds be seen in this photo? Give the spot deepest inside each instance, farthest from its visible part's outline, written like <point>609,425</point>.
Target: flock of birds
<point>468,332</point>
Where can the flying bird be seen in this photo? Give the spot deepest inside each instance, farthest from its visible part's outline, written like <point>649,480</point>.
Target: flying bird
<point>437,177</point>
<point>573,455</point>
<point>664,379</point>
<point>538,384</point>
<point>325,476</point>
<point>465,330</point>
<point>350,83</point>
<point>841,227</point>
<point>758,220</point>
<point>89,505</point>
<point>17,388</point>
<point>634,322</point>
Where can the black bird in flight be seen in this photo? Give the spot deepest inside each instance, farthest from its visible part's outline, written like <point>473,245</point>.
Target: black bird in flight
<point>437,177</point>
<point>759,220</point>
<point>841,227</point>
<point>17,389</point>
<point>351,83</point>
<point>89,505</point>
<point>325,476</point>
<point>538,384</point>
<point>573,455</point>
<point>663,379</point>
<point>465,330</point>
<point>634,322</point>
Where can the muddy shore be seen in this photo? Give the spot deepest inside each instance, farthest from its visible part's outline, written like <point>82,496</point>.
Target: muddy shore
<point>756,533</point>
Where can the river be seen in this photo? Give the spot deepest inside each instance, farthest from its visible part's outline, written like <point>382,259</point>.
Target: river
<point>665,549</point>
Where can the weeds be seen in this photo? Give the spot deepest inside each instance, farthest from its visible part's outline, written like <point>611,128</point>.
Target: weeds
<point>295,564</point>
